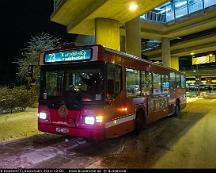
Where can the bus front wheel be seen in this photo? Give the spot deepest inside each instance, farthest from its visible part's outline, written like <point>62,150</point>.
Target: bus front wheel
<point>139,122</point>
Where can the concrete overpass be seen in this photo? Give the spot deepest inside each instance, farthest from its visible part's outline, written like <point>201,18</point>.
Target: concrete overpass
<point>108,19</point>
<point>103,18</point>
<point>200,23</point>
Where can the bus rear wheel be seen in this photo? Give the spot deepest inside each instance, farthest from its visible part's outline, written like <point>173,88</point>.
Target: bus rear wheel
<point>139,122</point>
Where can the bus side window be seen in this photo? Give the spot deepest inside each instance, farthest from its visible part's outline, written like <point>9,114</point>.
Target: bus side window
<point>183,82</point>
<point>165,84</point>
<point>146,82</point>
<point>113,80</point>
<point>172,80</point>
<point>156,83</point>
<point>132,82</point>
<point>178,80</point>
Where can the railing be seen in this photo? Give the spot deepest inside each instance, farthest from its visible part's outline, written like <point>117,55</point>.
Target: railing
<point>175,9</point>
<point>57,3</point>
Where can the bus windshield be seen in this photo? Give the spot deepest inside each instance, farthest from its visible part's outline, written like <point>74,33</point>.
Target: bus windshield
<point>79,84</point>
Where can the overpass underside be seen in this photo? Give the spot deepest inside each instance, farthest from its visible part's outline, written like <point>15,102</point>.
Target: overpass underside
<point>111,23</point>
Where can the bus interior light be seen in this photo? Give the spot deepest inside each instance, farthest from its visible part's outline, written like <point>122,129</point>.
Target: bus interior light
<point>42,115</point>
<point>90,120</point>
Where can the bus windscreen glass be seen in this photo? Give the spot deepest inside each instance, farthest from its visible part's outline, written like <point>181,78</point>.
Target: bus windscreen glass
<point>69,55</point>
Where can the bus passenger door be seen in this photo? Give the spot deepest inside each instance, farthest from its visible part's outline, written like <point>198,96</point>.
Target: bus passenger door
<point>119,120</point>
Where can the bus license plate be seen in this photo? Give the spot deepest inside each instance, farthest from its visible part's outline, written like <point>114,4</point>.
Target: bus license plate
<point>62,130</point>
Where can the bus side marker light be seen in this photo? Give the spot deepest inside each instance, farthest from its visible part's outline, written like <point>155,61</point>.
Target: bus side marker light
<point>123,109</point>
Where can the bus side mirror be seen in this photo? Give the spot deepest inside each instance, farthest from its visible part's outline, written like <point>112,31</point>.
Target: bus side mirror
<point>110,87</point>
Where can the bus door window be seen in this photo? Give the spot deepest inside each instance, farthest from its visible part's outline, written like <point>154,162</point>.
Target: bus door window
<point>165,84</point>
<point>146,83</point>
<point>156,83</point>
<point>114,73</point>
<point>133,83</point>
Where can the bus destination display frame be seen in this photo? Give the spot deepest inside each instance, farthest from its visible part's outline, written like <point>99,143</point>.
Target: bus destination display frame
<point>72,55</point>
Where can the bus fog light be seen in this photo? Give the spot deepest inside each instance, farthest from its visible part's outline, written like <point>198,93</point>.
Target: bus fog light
<point>42,115</point>
<point>89,120</point>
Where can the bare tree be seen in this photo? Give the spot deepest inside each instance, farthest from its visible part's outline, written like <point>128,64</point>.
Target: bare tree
<point>37,44</point>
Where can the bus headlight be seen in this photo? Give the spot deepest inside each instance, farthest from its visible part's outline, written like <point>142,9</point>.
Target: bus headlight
<point>42,115</point>
<point>90,120</point>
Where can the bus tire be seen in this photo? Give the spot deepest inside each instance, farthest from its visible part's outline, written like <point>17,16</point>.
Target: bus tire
<point>139,122</point>
<point>177,108</point>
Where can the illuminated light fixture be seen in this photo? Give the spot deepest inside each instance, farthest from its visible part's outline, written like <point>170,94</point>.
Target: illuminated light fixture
<point>42,115</point>
<point>210,55</point>
<point>123,109</point>
<point>133,6</point>
<point>99,119</point>
<point>90,120</point>
<point>192,53</point>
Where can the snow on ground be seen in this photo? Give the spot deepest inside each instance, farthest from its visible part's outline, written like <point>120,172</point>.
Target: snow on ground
<point>18,125</point>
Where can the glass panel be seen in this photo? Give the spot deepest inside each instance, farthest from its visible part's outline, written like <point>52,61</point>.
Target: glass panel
<point>132,82</point>
<point>208,3</point>
<point>54,83</point>
<point>114,78</point>
<point>146,82</point>
<point>165,84</point>
<point>180,8</point>
<point>169,13</point>
<point>85,83</point>
<point>195,5</point>
<point>156,83</point>
<point>172,80</point>
<point>183,82</point>
<point>178,81</point>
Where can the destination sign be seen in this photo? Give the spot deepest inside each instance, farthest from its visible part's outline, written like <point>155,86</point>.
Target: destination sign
<point>69,55</point>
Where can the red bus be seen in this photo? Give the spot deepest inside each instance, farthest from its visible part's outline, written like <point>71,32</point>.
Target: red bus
<point>96,92</point>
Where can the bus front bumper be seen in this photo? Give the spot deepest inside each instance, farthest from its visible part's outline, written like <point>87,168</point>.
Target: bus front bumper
<point>96,134</point>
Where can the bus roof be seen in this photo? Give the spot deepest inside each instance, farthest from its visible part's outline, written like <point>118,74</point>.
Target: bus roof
<point>122,54</point>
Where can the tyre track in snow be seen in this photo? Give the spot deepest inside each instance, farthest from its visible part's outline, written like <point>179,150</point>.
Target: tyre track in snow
<point>28,152</point>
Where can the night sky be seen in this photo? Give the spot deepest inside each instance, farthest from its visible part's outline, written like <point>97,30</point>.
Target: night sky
<point>21,19</point>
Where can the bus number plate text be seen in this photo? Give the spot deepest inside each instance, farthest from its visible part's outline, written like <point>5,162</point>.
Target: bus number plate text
<point>62,130</point>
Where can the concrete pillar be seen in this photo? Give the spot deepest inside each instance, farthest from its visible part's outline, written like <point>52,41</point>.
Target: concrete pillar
<point>107,33</point>
<point>133,37</point>
<point>175,63</point>
<point>166,57</point>
<point>122,43</point>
